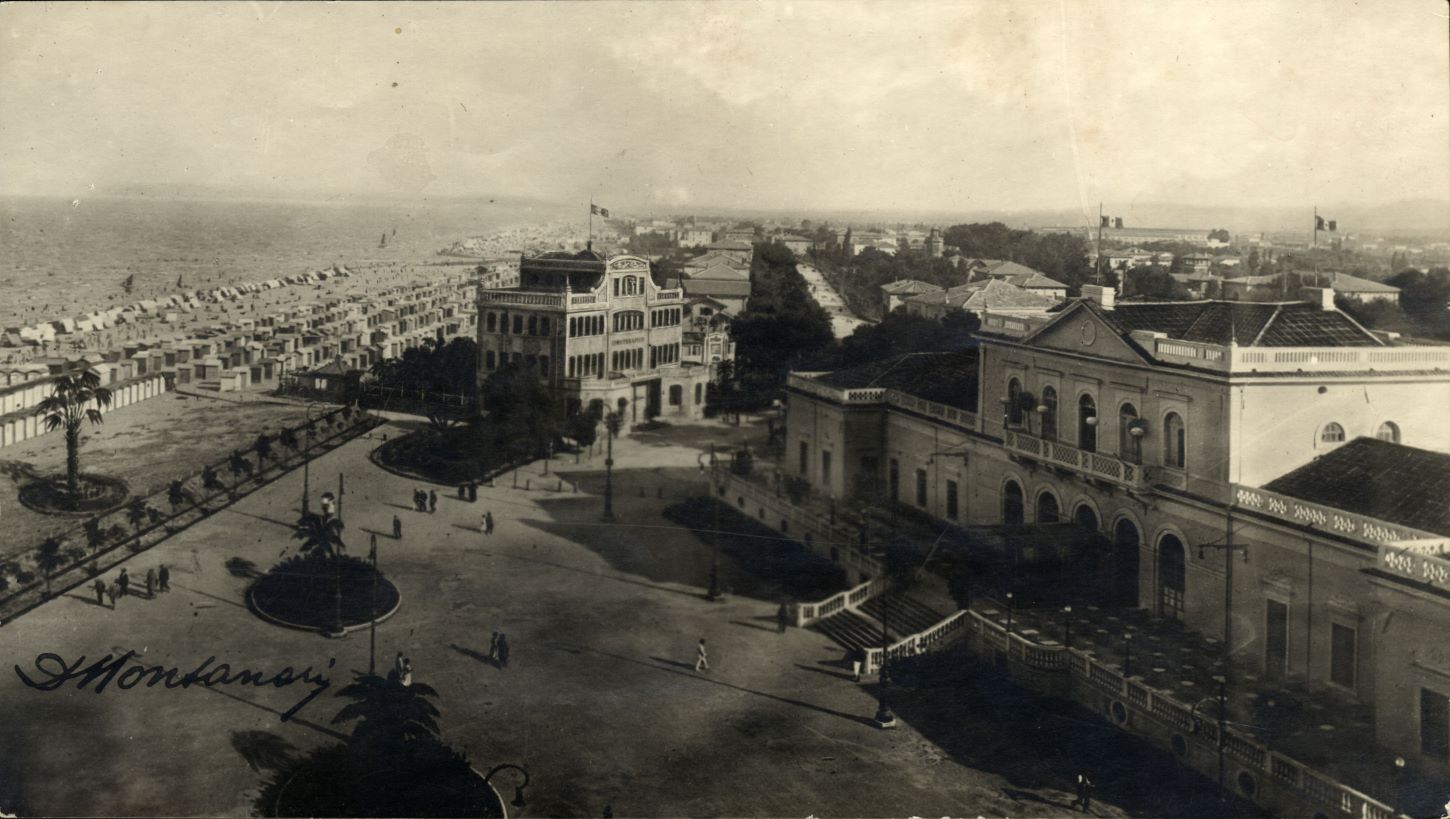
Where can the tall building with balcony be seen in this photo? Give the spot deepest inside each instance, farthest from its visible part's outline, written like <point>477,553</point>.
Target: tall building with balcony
<point>1270,475</point>
<point>594,330</point>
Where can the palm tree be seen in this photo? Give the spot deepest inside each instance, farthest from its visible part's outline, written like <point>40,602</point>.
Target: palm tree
<point>263,448</point>
<point>48,558</point>
<point>288,439</point>
<point>210,481</point>
<point>390,715</point>
<point>176,495</point>
<point>137,513</point>
<point>319,535</point>
<point>75,398</point>
<point>95,535</point>
<point>239,466</point>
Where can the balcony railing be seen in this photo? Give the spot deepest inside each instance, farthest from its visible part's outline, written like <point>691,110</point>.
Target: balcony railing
<point>1232,359</point>
<point>520,297</point>
<point>1092,464</point>
<point>806,382</point>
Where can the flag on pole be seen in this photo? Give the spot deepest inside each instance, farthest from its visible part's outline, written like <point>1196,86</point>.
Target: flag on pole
<point>1106,221</point>
<point>1115,222</point>
<point>1326,225</point>
<point>1333,225</point>
<point>1118,222</point>
<point>598,211</point>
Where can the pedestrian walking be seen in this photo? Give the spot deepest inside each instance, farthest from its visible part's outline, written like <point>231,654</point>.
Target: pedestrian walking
<point>124,581</point>
<point>407,677</point>
<point>397,528</point>
<point>398,663</point>
<point>1084,792</point>
<point>702,659</point>
<point>164,575</point>
<point>858,659</point>
<point>493,647</point>
<point>488,522</point>
<point>100,587</point>
<point>503,650</point>
<point>472,491</point>
<point>463,491</point>
<point>417,502</point>
<point>483,523</point>
<point>432,501</point>
<point>113,591</point>
<point>782,618</point>
<point>150,582</point>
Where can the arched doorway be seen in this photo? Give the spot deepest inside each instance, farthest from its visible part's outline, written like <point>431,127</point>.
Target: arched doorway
<point>1047,508</point>
<point>1012,506</point>
<point>1087,423</point>
<point>1125,561</point>
<point>1085,517</point>
<point>1172,577</point>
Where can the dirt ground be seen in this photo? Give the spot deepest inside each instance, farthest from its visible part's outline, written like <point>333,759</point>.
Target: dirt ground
<point>148,444</point>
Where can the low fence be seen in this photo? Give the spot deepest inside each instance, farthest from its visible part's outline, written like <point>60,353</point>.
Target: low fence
<point>808,613</point>
<point>914,644</point>
<point>110,538</point>
<point>1260,774</point>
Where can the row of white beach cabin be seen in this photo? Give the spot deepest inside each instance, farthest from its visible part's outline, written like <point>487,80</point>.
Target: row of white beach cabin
<point>355,332</point>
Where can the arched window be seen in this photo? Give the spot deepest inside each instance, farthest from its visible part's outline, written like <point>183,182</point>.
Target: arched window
<point>1174,441</point>
<point>1012,503</point>
<point>1087,423</point>
<point>1332,433</point>
<point>1388,431</point>
<point>1125,562</point>
<point>1085,517</point>
<point>1172,577</point>
<point>491,321</point>
<point>1049,413</point>
<point>1014,402</point>
<point>1130,446</point>
<point>1047,508</point>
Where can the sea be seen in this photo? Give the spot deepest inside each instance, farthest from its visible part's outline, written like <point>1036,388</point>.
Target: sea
<point>61,257</point>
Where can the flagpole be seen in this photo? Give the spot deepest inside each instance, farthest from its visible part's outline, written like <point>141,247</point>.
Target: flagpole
<point>1099,270</point>
<point>591,222</point>
<point>1316,226</point>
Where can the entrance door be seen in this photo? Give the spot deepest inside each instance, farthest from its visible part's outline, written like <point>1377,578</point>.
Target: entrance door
<point>1434,724</point>
<point>1125,561</point>
<point>1276,639</point>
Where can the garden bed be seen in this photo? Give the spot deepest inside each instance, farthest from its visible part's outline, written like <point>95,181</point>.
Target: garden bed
<point>50,496</point>
<point>456,456</point>
<point>302,592</point>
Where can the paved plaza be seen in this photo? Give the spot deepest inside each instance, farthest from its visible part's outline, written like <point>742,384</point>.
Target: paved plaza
<point>600,701</point>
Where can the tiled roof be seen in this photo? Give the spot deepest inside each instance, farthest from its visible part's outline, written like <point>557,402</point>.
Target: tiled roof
<point>1390,482</point>
<point>947,378</point>
<point>1249,324</point>
<point>988,294</point>
<point>1353,284</point>
<point>1035,279</point>
<point>719,271</point>
<point>715,287</point>
<point>909,286</point>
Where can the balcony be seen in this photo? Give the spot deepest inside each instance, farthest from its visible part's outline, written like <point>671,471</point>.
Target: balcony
<point>1089,464</point>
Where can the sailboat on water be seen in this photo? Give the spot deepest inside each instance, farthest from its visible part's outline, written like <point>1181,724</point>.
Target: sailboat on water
<point>128,283</point>
<point>384,241</point>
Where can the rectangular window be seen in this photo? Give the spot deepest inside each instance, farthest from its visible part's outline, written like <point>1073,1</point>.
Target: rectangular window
<point>533,325</point>
<point>1341,655</point>
<point>825,466</point>
<point>1434,724</point>
<point>530,362</point>
<point>893,479</point>
<point>518,325</point>
<point>921,488</point>
<point>488,359</point>
<point>805,458</point>
<point>543,326</point>
<point>951,500</point>
<point>543,365</point>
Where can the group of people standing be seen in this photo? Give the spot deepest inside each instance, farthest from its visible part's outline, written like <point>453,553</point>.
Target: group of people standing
<point>157,580</point>
<point>425,501</point>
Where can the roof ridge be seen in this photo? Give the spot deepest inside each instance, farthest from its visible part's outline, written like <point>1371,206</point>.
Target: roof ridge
<point>1273,317</point>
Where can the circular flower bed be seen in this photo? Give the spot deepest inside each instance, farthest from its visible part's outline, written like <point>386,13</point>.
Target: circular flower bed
<point>302,592</point>
<point>98,493</point>
<point>429,780</point>
<point>457,456</point>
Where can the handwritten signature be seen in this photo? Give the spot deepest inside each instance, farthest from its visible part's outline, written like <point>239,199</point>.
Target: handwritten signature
<point>127,672</point>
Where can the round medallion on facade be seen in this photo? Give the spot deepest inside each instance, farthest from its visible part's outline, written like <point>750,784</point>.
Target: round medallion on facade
<point>1089,332</point>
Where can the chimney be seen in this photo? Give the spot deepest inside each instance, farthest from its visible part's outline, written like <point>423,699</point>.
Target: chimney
<point>1323,296</point>
<point>1099,295</point>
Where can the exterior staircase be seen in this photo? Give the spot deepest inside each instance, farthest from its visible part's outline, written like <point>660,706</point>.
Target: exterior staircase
<point>903,614</point>
<point>850,630</point>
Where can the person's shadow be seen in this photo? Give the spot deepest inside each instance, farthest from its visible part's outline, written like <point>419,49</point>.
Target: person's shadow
<point>477,655</point>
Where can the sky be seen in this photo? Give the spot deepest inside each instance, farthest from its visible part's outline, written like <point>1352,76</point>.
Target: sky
<point>793,105</point>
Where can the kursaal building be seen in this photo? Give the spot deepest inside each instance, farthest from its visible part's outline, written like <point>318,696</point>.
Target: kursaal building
<point>595,330</point>
<point>1273,474</point>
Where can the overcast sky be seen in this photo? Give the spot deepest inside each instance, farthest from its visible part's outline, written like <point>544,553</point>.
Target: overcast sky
<point>928,105</point>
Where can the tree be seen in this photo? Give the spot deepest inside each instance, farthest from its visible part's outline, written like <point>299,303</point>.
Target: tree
<point>137,513</point>
<point>288,439</point>
<point>263,448</point>
<point>319,535</point>
<point>75,398</point>
<point>48,558</point>
<point>389,715</point>
<point>95,535</point>
<point>1152,282</point>
<point>210,481</point>
<point>238,466</point>
<point>176,495</point>
<point>523,411</point>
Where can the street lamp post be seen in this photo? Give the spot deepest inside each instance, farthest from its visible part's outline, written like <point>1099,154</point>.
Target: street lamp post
<point>1009,620</point>
<point>518,800</point>
<point>373,626</point>
<point>1067,626</point>
<point>1127,655</point>
<point>612,423</point>
<point>1399,777</point>
<point>1222,724</point>
<point>713,594</point>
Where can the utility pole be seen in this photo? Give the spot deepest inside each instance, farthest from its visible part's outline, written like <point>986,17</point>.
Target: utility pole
<point>1098,268</point>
